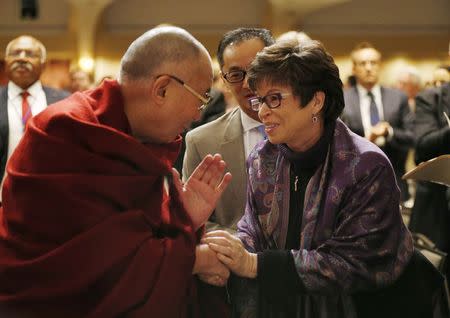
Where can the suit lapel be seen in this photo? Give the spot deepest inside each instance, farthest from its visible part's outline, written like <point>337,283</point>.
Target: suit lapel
<point>4,130</point>
<point>387,109</point>
<point>4,127</point>
<point>355,111</point>
<point>232,150</point>
<point>52,96</point>
<point>49,96</point>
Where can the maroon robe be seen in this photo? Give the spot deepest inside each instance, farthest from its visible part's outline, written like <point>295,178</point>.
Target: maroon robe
<point>86,228</point>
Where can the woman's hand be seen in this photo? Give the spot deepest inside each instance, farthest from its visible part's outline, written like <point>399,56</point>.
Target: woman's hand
<point>231,252</point>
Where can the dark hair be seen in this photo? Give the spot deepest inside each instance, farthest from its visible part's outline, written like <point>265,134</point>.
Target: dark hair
<point>306,67</point>
<point>240,35</point>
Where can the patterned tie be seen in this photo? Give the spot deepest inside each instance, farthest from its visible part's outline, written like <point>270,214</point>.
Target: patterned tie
<point>374,115</point>
<point>26,110</point>
<point>262,131</point>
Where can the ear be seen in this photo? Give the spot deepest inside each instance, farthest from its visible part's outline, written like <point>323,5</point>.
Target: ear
<point>159,89</point>
<point>319,101</point>
<point>223,79</point>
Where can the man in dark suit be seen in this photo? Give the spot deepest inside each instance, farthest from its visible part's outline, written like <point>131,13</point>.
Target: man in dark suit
<point>24,96</point>
<point>380,114</point>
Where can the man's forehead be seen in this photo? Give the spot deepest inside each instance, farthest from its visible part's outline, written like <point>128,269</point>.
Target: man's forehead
<point>367,54</point>
<point>25,43</point>
<point>239,55</point>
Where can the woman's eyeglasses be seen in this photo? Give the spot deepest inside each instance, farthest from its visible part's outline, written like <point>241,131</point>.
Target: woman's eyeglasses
<point>271,100</point>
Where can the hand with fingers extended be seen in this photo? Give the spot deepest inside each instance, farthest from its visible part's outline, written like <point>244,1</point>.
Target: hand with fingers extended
<point>203,189</point>
<point>208,267</point>
<point>231,252</point>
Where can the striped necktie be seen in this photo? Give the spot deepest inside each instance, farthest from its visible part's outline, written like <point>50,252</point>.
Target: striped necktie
<point>26,110</point>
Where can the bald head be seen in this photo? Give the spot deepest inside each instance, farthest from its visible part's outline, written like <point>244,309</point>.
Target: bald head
<point>165,76</point>
<point>157,48</point>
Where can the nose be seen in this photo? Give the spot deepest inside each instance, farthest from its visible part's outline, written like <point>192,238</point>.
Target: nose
<point>245,82</point>
<point>22,55</point>
<point>368,66</point>
<point>264,111</point>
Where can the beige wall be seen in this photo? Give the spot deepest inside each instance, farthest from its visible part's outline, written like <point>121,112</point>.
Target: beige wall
<point>397,52</point>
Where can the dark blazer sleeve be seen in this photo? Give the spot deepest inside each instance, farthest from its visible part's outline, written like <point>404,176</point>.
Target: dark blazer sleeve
<point>3,120</point>
<point>351,114</point>
<point>401,120</point>
<point>4,129</point>
<point>431,128</point>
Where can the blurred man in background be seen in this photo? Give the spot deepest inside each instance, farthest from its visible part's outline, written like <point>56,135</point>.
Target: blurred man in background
<point>378,113</point>
<point>24,96</point>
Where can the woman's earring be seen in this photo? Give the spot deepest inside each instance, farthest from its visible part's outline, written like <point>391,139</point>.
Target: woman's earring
<point>314,118</point>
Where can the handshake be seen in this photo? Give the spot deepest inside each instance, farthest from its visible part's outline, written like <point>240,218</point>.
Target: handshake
<point>221,253</point>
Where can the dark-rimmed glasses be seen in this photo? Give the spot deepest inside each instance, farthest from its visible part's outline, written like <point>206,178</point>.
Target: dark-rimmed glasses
<point>235,76</point>
<point>271,100</point>
<point>203,99</point>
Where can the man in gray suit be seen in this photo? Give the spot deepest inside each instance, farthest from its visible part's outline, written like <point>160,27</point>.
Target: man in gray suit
<point>24,96</point>
<point>234,134</point>
<point>380,114</point>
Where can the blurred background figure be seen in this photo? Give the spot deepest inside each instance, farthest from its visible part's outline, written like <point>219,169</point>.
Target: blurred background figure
<point>380,114</point>
<point>409,82</point>
<point>431,212</point>
<point>293,35</point>
<point>441,76</point>
<point>80,80</point>
<point>24,96</point>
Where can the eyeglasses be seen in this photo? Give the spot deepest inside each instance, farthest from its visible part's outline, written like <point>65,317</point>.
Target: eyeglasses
<point>235,76</point>
<point>271,100</point>
<point>203,99</point>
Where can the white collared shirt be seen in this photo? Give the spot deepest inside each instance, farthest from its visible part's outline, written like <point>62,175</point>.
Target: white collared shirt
<point>37,102</point>
<point>364,104</point>
<point>251,133</point>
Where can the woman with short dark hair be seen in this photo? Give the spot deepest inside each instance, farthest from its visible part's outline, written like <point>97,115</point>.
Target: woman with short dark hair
<point>322,219</point>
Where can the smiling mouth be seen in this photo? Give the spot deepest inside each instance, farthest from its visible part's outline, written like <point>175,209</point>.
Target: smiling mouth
<point>270,127</point>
